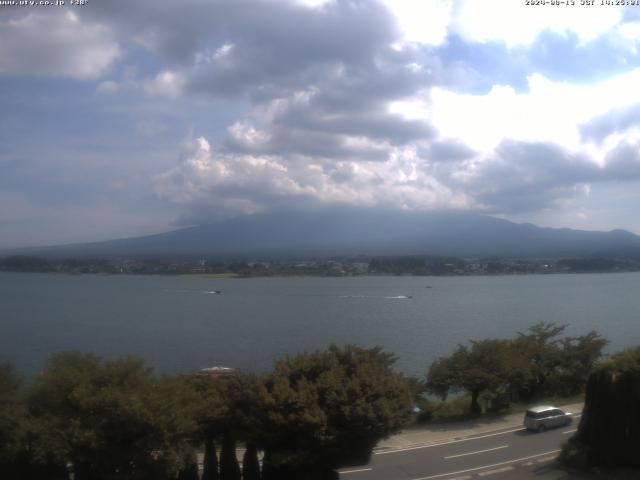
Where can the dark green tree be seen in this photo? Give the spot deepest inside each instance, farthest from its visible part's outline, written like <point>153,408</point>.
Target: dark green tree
<point>609,430</point>
<point>213,413</point>
<point>250,463</point>
<point>540,346</point>
<point>228,405</point>
<point>488,365</point>
<point>12,424</point>
<point>189,470</point>
<point>111,419</point>
<point>210,462</point>
<point>556,366</point>
<point>536,363</point>
<point>229,467</point>
<point>579,355</point>
<point>328,409</point>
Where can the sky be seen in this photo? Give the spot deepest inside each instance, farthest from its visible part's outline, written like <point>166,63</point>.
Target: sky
<point>121,118</point>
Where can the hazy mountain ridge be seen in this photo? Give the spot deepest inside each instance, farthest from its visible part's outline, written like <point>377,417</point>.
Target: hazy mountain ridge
<point>354,232</point>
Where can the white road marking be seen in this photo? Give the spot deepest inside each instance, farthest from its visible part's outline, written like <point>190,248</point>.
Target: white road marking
<point>546,459</point>
<point>407,449</point>
<point>447,442</point>
<point>488,466</point>
<point>474,453</point>
<point>495,471</point>
<point>356,471</point>
<point>570,431</point>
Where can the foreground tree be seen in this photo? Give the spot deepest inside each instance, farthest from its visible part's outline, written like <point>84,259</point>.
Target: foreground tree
<point>556,366</point>
<point>225,410</point>
<point>609,430</point>
<point>111,419</point>
<point>210,461</point>
<point>324,410</point>
<point>189,470</point>
<point>489,365</point>
<point>534,364</point>
<point>13,425</point>
<point>250,463</point>
<point>229,468</point>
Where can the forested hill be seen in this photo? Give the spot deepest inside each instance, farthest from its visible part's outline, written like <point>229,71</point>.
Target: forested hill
<point>354,232</point>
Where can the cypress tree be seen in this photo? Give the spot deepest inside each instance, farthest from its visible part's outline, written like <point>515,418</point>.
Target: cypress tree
<point>229,468</point>
<point>609,431</point>
<point>210,467</point>
<point>190,469</point>
<point>250,464</point>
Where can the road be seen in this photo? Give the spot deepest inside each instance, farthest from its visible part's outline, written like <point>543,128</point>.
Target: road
<point>496,454</point>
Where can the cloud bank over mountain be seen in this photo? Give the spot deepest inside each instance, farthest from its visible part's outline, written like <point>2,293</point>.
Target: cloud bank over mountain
<point>178,113</point>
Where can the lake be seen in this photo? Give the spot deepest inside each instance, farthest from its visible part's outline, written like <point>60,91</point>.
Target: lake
<point>180,324</point>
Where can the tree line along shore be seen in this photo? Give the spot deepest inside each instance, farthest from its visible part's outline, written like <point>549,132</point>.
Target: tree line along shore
<point>330,267</point>
<point>314,412</point>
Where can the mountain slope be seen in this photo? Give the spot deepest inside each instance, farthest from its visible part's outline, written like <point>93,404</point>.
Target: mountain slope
<point>352,232</point>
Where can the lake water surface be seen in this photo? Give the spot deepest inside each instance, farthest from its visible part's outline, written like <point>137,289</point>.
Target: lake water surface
<point>179,324</point>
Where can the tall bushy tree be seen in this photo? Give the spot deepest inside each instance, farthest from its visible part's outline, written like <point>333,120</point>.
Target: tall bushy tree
<point>487,366</point>
<point>13,453</point>
<point>327,409</point>
<point>609,430</point>
<point>226,408</point>
<point>189,471</point>
<point>579,355</point>
<point>535,363</point>
<point>540,346</point>
<point>111,419</point>
<point>556,366</point>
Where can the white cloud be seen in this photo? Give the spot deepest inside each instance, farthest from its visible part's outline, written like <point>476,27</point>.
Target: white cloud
<point>57,44</point>
<point>312,3</point>
<point>247,136</point>
<point>628,37</point>
<point>509,21</point>
<point>168,83</point>
<point>548,112</point>
<point>255,182</point>
<point>422,21</point>
<point>515,23</point>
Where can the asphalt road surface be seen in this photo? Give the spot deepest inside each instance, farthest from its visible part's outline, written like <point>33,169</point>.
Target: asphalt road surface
<point>492,455</point>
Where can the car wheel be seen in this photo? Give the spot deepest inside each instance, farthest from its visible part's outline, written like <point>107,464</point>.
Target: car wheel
<point>541,428</point>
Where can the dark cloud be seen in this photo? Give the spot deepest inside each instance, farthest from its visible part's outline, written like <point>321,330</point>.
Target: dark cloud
<point>615,121</point>
<point>273,40</point>
<point>525,177</point>
<point>447,151</point>
<point>72,49</point>
<point>340,55</point>
<point>295,102</point>
<point>623,163</point>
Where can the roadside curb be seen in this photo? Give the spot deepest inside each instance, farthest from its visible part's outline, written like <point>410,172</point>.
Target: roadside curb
<point>443,436</point>
<point>440,441</point>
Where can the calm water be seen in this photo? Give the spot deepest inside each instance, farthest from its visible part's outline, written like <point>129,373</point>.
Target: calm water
<point>176,325</point>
